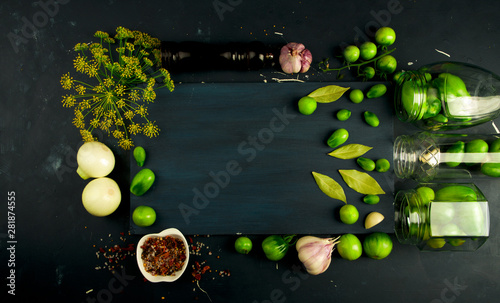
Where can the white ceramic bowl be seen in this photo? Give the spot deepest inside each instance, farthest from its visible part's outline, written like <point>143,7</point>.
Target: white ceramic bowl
<point>174,232</point>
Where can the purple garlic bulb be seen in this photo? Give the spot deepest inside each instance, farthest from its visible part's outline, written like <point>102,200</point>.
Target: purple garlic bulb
<point>295,58</point>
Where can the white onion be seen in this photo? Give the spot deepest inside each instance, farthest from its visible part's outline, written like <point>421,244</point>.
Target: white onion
<point>95,160</point>
<point>101,197</point>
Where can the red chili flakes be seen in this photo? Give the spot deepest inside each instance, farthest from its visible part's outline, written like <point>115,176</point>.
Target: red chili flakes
<point>163,256</point>
<point>114,254</point>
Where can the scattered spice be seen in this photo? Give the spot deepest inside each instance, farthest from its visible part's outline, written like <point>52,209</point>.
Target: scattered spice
<point>114,254</point>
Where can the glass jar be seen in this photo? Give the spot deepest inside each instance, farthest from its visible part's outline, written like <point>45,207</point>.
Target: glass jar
<point>442,217</point>
<point>426,156</point>
<point>447,95</point>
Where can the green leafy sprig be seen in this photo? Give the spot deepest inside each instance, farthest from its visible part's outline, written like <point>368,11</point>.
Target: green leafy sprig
<point>126,71</point>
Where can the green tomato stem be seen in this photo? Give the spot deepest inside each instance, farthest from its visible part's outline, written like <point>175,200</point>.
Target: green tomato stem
<point>326,69</point>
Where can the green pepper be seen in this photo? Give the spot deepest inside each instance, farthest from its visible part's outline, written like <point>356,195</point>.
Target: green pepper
<point>366,164</point>
<point>455,193</point>
<point>450,86</point>
<point>495,146</point>
<point>139,155</point>
<point>275,247</point>
<point>371,119</point>
<point>377,90</point>
<point>142,182</point>
<point>459,149</point>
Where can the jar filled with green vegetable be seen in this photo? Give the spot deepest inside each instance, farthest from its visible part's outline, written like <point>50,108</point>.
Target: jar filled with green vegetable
<point>447,95</point>
<point>442,217</point>
<point>428,156</point>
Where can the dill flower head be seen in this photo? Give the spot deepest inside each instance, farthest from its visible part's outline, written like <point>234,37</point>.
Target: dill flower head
<point>121,74</point>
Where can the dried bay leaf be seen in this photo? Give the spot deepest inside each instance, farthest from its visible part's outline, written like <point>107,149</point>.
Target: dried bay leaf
<point>350,151</point>
<point>361,182</point>
<point>328,93</point>
<point>330,187</point>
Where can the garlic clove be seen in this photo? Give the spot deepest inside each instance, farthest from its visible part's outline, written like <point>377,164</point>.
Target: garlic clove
<point>373,219</point>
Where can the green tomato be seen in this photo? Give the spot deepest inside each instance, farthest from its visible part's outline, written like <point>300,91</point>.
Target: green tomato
<point>377,245</point>
<point>377,90</point>
<point>382,165</point>
<point>371,119</point>
<point>243,245</point>
<point>143,216</point>
<point>491,169</point>
<point>365,163</point>
<point>495,146</point>
<point>426,194</point>
<point>343,114</point>
<point>356,96</point>
<point>387,64</point>
<point>349,247</point>
<point>368,72</point>
<point>142,182</point>
<point>307,105</point>
<point>457,149</point>
<point>476,150</point>
<point>351,53</point>
<point>436,243</point>
<point>349,214</point>
<point>371,199</point>
<point>456,193</point>
<point>385,36</point>
<point>368,50</point>
<point>275,247</point>
<point>139,155</point>
<point>338,137</point>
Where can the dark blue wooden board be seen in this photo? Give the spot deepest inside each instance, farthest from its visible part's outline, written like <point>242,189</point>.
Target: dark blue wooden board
<point>237,158</point>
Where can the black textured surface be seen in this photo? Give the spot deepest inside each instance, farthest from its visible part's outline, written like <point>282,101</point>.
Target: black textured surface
<point>57,240</point>
<point>237,158</point>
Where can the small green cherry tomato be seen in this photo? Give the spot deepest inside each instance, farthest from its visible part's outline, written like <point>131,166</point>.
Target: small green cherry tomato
<point>478,149</point>
<point>142,181</point>
<point>371,199</point>
<point>349,248</point>
<point>457,149</point>
<point>377,90</point>
<point>351,53</point>
<point>343,114</point>
<point>382,165</point>
<point>495,146</point>
<point>139,155</point>
<point>338,137</point>
<point>275,247</point>
<point>365,163</point>
<point>368,50</point>
<point>371,119</point>
<point>307,105</point>
<point>356,96</point>
<point>387,64</point>
<point>491,169</point>
<point>368,72</point>
<point>349,214</point>
<point>243,245</point>
<point>385,36</point>
<point>144,216</point>
<point>426,194</point>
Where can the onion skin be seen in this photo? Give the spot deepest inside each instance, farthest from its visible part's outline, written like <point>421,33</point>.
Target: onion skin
<point>315,253</point>
<point>295,58</point>
<point>94,160</point>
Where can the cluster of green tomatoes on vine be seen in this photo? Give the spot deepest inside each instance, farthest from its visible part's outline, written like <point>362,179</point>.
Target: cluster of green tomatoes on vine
<point>369,59</point>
